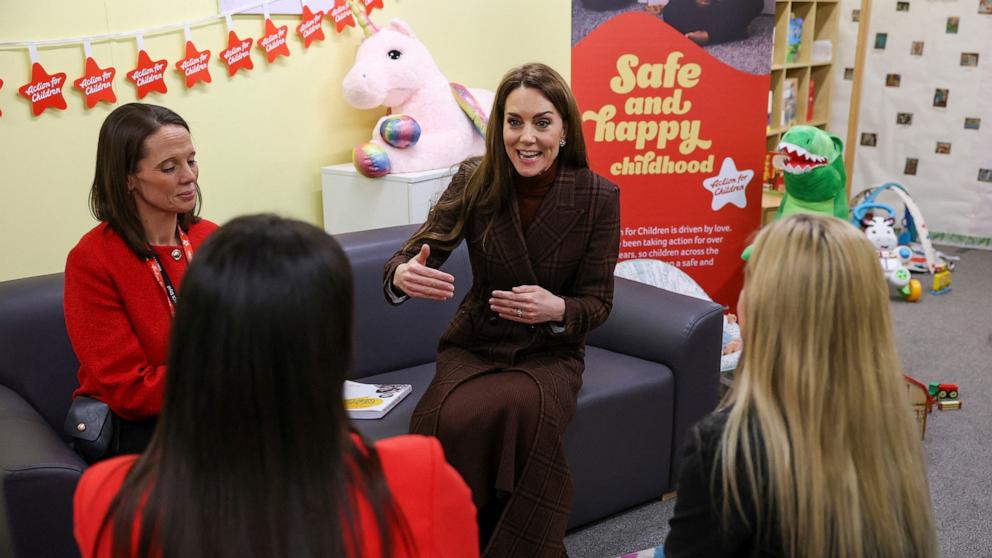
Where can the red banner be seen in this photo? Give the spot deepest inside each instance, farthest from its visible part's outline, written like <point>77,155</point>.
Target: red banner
<point>683,135</point>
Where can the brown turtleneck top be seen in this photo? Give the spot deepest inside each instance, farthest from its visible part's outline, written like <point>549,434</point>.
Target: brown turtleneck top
<point>531,191</point>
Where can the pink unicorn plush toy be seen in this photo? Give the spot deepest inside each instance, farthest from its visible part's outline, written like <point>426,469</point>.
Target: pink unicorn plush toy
<point>432,123</point>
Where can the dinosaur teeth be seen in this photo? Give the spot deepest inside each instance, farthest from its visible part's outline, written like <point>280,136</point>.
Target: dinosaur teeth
<point>799,159</point>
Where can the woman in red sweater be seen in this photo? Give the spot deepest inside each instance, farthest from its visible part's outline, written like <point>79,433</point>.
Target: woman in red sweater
<point>122,278</point>
<point>253,455</point>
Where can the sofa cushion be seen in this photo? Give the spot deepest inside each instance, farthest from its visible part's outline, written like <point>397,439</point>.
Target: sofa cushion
<point>39,474</point>
<point>38,362</point>
<point>389,337</point>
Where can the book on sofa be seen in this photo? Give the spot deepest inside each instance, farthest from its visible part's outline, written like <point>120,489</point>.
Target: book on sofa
<point>372,401</point>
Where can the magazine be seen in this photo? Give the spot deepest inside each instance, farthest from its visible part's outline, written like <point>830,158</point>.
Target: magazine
<point>372,401</point>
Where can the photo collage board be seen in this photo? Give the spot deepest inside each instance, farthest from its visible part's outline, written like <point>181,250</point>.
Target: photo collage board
<point>925,118</point>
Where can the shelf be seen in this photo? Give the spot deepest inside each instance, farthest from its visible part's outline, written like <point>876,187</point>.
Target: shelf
<point>801,87</point>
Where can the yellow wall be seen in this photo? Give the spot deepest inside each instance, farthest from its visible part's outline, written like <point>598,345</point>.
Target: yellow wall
<point>261,137</point>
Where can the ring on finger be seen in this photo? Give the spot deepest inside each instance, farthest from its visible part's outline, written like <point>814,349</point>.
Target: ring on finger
<point>520,313</point>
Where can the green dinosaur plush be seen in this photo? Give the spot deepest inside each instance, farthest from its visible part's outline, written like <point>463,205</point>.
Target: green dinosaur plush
<point>814,174</point>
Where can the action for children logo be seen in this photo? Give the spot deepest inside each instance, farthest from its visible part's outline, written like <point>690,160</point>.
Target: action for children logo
<point>729,185</point>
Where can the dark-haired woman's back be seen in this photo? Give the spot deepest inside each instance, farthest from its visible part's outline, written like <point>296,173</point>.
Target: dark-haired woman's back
<point>430,495</point>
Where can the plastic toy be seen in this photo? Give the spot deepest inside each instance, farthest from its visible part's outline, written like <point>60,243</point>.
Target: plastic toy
<point>941,392</point>
<point>941,281</point>
<point>914,234</point>
<point>949,405</point>
<point>431,123</point>
<point>892,257</point>
<point>921,402</point>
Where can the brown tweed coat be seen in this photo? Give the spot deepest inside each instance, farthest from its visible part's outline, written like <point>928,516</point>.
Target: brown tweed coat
<point>570,249</point>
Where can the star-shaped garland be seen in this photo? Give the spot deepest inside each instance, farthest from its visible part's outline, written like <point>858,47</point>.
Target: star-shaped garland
<point>274,41</point>
<point>44,90</point>
<point>1,87</point>
<point>148,75</point>
<point>237,56</point>
<point>371,5</point>
<point>97,84</point>
<point>194,66</point>
<point>309,28</point>
<point>341,15</point>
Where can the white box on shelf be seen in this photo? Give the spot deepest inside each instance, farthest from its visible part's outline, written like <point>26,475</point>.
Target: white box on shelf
<point>353,202</point>
<point>822,51</point>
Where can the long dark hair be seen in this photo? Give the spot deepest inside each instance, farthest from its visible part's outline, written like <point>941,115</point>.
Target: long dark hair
<point>252,455</point>
<point>488,187</point>
<point>119,149</point>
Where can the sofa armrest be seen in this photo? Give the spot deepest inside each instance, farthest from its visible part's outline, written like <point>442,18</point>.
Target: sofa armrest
<point>40,473</point>
<point>681,332</point>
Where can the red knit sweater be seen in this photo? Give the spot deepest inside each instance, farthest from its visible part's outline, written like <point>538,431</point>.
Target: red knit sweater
<point>118,319</point>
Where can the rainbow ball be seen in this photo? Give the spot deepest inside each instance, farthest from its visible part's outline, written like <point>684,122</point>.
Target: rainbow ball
<point>400,131</point>
<point>370,160</point>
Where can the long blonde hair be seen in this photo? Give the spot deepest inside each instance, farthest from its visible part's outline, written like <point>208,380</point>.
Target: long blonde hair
<point>819,425</point>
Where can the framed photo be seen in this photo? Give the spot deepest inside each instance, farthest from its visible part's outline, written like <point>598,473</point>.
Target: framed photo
<point>892,80</point>
<point>969,59</point>
<point>869,139</point>
<point>880,40</point>
<point>916,49</point>
<point>902,6</point>
<point>904,118</point>
<point>943,148</point>
<point>952,24</point>
<point>940,97</point>
<point>856,15</point>
<point>910,167</point>
<point>985,175</point>
<point>972,123</point>
<point>849,74</point>
<point>985,6</point>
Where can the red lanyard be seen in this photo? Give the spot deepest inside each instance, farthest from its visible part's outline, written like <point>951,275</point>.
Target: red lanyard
<point>163,278</point>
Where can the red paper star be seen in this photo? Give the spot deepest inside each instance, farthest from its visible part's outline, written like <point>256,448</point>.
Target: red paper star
<point>238,53</point>
<point>371,5</point>
<point>341,15</point>
<point>97,84</point>
<point>309,28</point>
<point>274,41</point>
<point>44,90</point>
<point>1,87</point>
<point>194,66</point>
<point>149,75</point>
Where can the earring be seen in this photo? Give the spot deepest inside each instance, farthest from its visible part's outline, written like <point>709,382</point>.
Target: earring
<point>561,142</point>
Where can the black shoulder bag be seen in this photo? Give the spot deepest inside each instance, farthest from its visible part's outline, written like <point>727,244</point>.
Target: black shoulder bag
<point>93,428</point>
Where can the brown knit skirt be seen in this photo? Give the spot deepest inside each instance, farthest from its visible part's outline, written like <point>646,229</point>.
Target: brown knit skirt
<point>501,427</point>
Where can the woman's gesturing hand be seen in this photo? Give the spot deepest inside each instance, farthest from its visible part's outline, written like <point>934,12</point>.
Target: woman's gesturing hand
<point>418,280</point>
<point>528,304</point>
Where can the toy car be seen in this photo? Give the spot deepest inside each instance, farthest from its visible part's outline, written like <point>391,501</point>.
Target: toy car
<point>943,391</point>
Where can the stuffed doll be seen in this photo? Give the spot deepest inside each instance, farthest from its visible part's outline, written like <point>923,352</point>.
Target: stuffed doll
<point>813,165</point>
<point>431,123</point>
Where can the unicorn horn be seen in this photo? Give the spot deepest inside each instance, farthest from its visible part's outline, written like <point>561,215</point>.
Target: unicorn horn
<point>363,20</point>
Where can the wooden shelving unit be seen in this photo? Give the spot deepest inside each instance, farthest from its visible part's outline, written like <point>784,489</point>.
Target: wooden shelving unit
<point>820,19</point>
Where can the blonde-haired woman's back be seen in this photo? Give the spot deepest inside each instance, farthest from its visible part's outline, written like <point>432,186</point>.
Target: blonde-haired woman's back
<point>813,452</point>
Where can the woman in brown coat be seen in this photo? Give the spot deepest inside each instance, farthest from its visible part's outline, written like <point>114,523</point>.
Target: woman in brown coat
<point>543,235</point>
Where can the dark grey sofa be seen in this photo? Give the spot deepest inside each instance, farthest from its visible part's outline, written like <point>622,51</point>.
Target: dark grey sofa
<point>651,372</point>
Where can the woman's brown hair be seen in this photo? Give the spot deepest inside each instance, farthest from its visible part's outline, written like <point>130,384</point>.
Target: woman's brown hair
<point>120,147</point>
<point>491,176</point>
